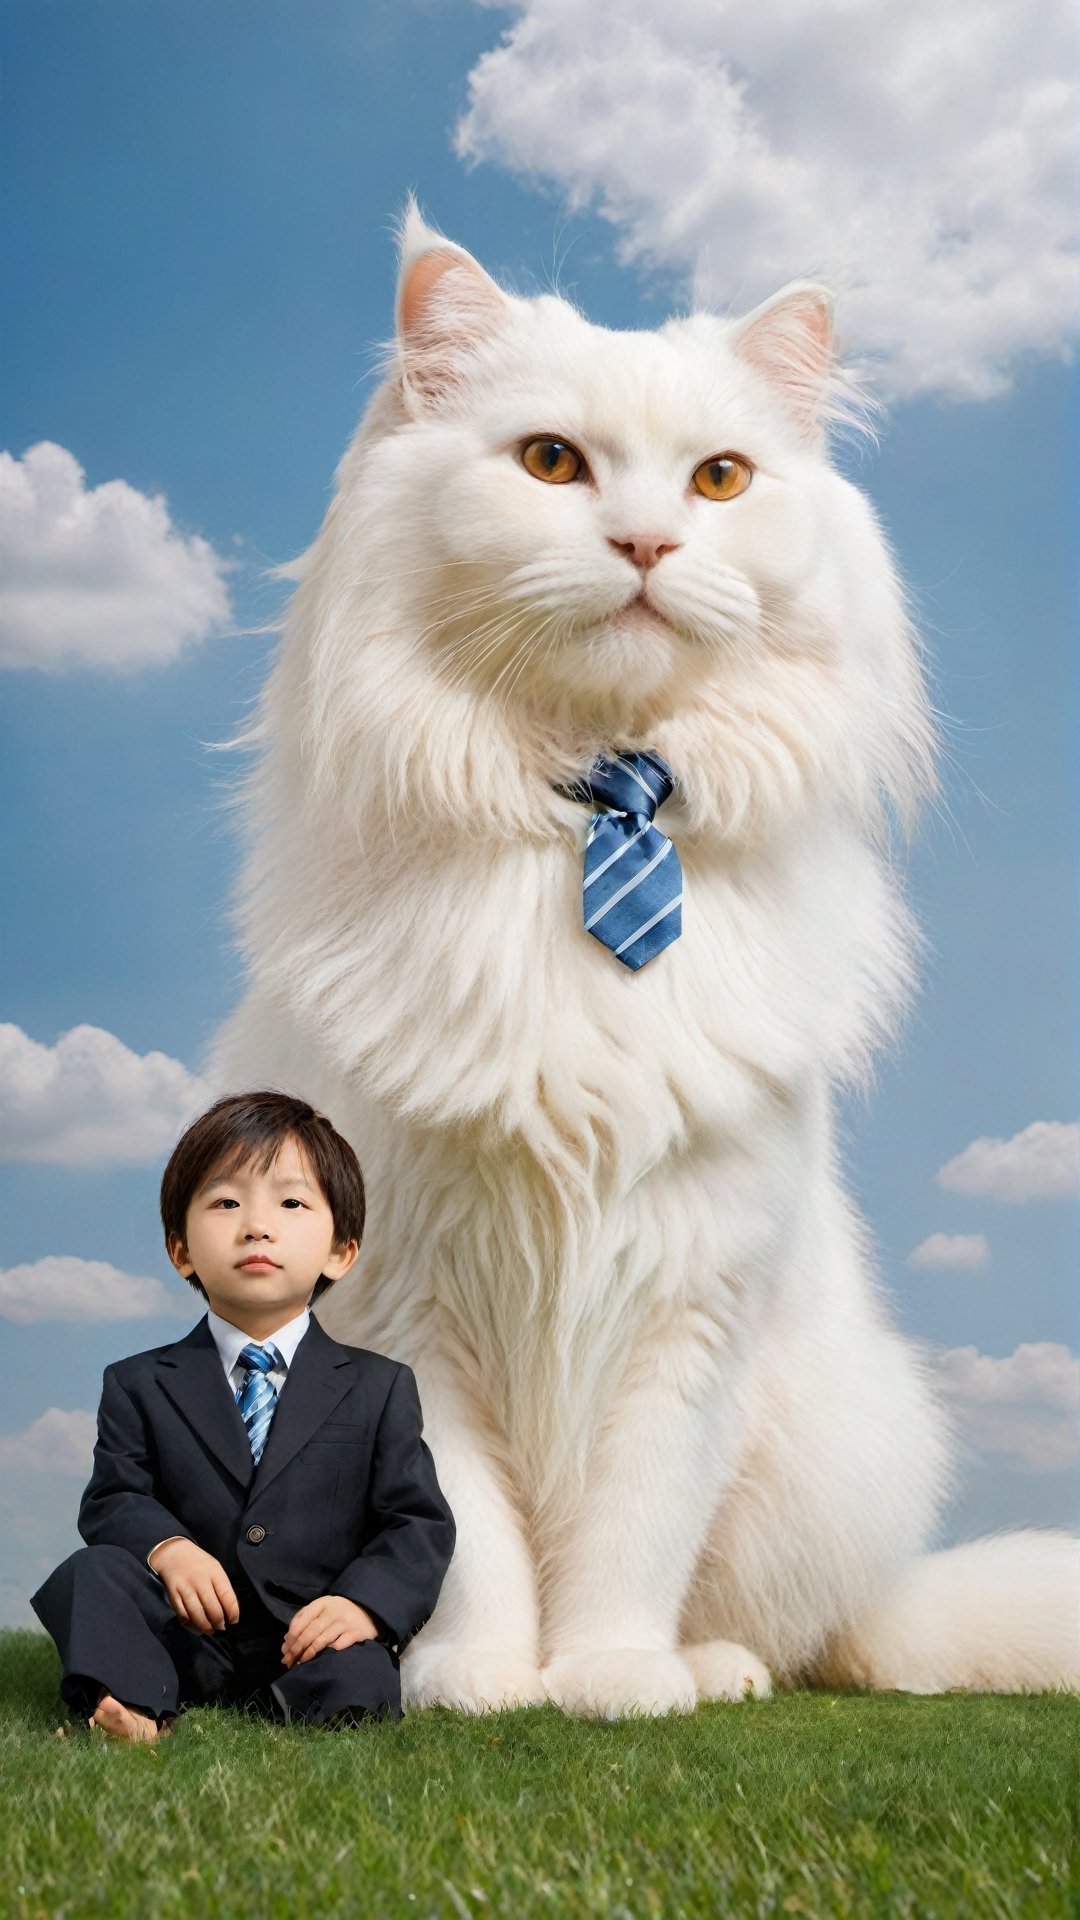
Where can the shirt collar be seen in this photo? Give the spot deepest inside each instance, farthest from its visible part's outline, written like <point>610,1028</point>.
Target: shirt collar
<point>230,1341</point>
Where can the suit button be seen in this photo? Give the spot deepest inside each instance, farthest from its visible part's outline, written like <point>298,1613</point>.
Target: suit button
<point>256,1535</point>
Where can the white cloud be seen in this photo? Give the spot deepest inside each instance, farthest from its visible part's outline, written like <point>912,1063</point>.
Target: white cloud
<point>919,158</point>
<point>1041,1163</point>
<point>97,576</point>
<point>950,1250</point>
<point>1023,1409</point>
<point>91,1101</point>
<point>58,1441</point>
<point>63,1287</point>
<point>42,1471</point>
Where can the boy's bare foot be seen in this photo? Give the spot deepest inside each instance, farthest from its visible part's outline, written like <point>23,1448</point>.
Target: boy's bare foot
<point>125,1723</point>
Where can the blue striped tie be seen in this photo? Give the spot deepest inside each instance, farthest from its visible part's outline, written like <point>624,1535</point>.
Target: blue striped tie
<point>632,895</point>
<point>256,1396</point>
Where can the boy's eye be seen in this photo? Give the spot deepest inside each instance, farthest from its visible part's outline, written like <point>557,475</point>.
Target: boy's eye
<point>226,1202</point>
<point>292,1203</point>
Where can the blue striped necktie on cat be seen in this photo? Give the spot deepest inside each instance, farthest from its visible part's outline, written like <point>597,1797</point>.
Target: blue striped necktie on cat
<point>256,1396</point>
<point>632,896</point>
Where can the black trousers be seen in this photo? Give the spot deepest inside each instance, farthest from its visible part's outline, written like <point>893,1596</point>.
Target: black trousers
<point>115,1630</point>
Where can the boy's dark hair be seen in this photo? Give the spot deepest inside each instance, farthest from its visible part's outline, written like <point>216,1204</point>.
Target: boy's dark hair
<point>249,1130</point>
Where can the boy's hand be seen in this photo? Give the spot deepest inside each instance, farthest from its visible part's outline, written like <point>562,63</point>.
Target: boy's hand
<point>199,1589</point>
<point>331,1621</point>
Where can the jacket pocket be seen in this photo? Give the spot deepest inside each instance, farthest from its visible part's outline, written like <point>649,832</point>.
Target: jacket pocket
<point>340,1433</point>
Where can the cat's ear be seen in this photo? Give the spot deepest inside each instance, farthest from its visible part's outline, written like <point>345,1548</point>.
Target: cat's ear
<point>447,307</point>
<point>790,339</point>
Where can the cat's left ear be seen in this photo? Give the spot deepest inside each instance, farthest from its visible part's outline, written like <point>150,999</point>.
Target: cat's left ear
<point>791,339</point>
<point>447,307</point>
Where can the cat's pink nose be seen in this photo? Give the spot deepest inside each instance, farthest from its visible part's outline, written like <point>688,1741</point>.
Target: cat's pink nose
<point>645,549</point>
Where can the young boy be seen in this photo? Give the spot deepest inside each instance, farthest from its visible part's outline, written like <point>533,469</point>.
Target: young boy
<point>263,1518</point>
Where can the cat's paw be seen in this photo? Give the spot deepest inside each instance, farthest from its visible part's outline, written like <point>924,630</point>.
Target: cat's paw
<point>472,1679</point>
<point>725,1671</point>
<point>619,1680</point>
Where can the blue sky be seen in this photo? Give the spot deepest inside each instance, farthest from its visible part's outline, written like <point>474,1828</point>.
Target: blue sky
<point>198,235</point>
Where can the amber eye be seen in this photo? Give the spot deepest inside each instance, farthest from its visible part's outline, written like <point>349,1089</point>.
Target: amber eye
<point>724,477</point>
<point>552,460</point>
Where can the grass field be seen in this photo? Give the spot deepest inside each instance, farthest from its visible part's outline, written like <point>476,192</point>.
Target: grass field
<point>805,1804</point>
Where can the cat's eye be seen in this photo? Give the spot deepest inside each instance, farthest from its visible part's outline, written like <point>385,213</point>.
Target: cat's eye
<point>552,460</point>
<point>724,477</point>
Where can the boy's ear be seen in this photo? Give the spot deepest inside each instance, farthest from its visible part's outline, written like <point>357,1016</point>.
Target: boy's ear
<point>179,1256</point>
<point>340,1259</point>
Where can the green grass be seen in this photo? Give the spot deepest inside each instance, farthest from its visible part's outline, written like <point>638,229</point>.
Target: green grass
<point>806,1804</point>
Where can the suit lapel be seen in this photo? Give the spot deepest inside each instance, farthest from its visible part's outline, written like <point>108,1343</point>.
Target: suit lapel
<point>321,1375</point>
<point>192,1375</point>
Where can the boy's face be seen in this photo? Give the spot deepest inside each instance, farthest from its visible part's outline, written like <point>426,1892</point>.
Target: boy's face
<point>259,1241</point>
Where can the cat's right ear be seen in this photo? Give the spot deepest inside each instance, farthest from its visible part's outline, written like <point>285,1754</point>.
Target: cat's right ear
<point>447,307</point>
<point>790,339</point>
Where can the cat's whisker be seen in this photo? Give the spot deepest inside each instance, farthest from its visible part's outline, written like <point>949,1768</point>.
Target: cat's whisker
<point>548,648</point>
<point>444,615</point>
<point>468,636</point>
<point>519,660</point>
<point>555,640</point>
<point>465,645</point>
<point>474,659</point>
<point>472,647</point>
<point>520,651</point>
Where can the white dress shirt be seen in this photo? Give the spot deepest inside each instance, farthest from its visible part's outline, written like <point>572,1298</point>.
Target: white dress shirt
<point>230,1342</point>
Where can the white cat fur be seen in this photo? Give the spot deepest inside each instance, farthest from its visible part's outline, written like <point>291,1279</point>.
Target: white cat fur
<point>683,1441</point>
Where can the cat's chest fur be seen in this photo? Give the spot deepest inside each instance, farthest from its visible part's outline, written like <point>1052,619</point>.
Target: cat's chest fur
<point>454,983</point>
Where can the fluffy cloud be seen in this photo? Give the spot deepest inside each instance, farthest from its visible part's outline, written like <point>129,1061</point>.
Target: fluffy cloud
<point>63,1287</point>
<point>920,159</point>
<point>950,1250</point>
<point>97,576</point>
<point>1022,1409</point>
<point>56,1442</point>
<point>42,1470</point>
<point>90,1101</point>
<point>1041,1163</point>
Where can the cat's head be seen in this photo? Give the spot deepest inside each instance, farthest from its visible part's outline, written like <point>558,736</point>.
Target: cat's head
<point>606,510</point>
<point>626,532</point>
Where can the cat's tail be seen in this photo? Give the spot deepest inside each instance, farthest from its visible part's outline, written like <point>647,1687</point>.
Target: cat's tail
<point>1000,1615</point>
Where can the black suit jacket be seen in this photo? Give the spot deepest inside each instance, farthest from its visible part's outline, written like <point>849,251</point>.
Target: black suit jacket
<point>344,1500</point>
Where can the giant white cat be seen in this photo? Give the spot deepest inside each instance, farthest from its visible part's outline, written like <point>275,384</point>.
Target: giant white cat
<point>685,1445</point>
